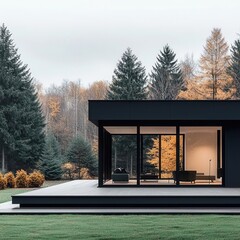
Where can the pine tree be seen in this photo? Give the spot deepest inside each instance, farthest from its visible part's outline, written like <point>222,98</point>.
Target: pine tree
<point>214,63</point>
<point>129,83</point>
<point>234,68</point>
<point>22,122</point>
<point>80,153</point>
<point>51,160</point>
<point>129,79</point>
<point>166,78</point>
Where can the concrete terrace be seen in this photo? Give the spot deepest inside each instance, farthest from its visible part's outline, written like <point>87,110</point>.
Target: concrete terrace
<point>86,194</point>
<point>90,188</point>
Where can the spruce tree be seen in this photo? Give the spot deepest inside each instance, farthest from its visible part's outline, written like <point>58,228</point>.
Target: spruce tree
<point>234,68</point>
<point>129,79</point>
<point>166,78</point>
<point>51,160</point>
<point>80,153</point>
<point>128,83</point>
<point>22,122</point>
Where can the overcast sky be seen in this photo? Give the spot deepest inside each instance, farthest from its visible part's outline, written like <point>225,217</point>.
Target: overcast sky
<point>78,39</point>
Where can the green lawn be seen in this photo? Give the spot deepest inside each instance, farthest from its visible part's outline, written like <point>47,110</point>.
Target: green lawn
<point>5,195</point>
<point>115,226</point>
<point>120,227</point>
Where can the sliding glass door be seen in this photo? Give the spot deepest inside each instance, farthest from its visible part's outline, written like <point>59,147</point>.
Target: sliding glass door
<point>158,160</point>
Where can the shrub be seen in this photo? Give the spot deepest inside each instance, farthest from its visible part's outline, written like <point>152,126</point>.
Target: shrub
<point>85,174</point>
<point>3,182</point>
<point>69,169</point>
<point>21,179</point>
<point>36,179</point>
<point>11,181</point>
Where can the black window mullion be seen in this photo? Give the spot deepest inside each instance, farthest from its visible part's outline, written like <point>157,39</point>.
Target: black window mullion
<point>177,154</point>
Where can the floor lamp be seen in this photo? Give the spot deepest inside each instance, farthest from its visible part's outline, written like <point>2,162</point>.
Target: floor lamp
<point>209,169</point>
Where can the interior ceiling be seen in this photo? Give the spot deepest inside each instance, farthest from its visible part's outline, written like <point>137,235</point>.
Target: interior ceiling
<point>158,130</point>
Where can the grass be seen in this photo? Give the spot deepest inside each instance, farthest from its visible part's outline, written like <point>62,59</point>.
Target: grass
<point>120,227</point>
<point>102,227</point>
<point>5,195</point>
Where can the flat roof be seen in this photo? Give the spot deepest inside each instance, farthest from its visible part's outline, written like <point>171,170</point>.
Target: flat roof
<point>163,110</point>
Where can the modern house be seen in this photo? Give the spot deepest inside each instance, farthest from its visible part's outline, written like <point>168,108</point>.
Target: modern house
<point>157,154</point>
<point>168,143</point>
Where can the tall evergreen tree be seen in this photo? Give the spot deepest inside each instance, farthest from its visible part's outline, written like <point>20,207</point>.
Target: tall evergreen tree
<point>51,160</point>
<point>129,79</point>
<point>129,83</point>
<point>234,68</point>
<point>80,153</point>
<point>22,122</point>
<point>166,78</point>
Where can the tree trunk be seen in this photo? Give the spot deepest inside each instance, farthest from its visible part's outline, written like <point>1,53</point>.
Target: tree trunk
<point>76,113</point>
<point>79,172</point>
<point>115,158</point>
<point>131,164</point>
<point>85,127</point>
<point>214,87</point>
<point>3,160</point>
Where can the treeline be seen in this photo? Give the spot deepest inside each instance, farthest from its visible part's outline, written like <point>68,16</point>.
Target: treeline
<point>66,110</point>
<point>215,76</point>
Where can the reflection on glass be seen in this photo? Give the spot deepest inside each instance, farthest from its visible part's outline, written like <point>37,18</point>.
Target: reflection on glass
<point>124,154</point>
<point>163,163</point>
<point>150,154</point>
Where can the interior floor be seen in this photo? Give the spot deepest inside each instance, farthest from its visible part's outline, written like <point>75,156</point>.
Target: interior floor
<point>163,182</point>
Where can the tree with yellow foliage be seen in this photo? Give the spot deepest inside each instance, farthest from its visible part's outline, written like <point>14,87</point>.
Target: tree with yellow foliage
<point>168,154</point>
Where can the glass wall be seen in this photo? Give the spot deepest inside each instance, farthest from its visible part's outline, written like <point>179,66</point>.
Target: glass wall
<point>203,156</point>
<point>168,155</point>
<point>200,155</point>
<point>123,156</point>
<point>150,155</point>
<point>158,155</point>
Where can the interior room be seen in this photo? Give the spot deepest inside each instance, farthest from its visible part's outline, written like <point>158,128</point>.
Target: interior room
<point>191,157</point>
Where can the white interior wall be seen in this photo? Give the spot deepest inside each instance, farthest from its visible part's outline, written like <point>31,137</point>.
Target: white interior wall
<point>200,148</point>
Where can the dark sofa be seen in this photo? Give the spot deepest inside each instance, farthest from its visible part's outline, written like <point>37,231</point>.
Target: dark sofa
<point>185,176</point>
<point>120,175</point>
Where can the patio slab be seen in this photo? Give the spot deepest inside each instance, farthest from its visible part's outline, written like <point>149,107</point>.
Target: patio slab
<point>85,193</point>
<point>90,188</point>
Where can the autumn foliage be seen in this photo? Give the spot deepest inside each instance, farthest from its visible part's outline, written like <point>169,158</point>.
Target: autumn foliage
<point>21,179</point>
<point>3,182</point>
<point>36,179</point>
<point>10,179</point>
<point>168,154</point>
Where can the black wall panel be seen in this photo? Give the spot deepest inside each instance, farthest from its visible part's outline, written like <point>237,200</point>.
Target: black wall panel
<point>231,166</point>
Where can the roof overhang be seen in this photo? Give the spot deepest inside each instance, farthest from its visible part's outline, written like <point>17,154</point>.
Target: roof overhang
<point>161,110</point>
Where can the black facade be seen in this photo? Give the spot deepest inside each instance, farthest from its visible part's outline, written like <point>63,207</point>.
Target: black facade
<point>170,113</point>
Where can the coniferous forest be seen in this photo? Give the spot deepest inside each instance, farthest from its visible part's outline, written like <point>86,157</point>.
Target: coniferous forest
<point>48,129</point>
